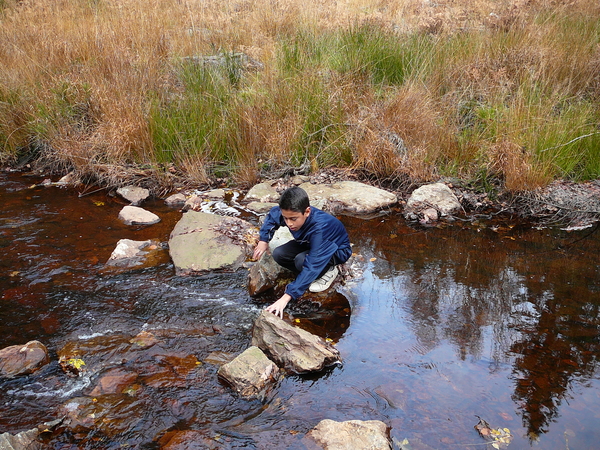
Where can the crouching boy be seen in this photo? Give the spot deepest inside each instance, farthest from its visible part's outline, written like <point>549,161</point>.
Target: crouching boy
<point>320,243</point>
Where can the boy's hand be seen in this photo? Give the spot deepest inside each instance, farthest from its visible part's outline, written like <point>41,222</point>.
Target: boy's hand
<point>278,307</point>
<point>260,249</point>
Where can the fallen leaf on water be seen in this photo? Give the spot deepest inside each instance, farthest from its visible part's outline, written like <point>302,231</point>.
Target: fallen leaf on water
<point>99,203</point>
<point>297,320</point>
<point>499,436</point>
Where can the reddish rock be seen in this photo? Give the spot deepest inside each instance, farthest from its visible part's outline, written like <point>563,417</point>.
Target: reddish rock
<point>114,381</point>
<point>22,359</point>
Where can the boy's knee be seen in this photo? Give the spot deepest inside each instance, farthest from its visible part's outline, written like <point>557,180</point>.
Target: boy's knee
<point>278,254</point>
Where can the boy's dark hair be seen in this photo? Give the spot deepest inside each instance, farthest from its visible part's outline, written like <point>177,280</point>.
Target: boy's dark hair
<point>294,199</point>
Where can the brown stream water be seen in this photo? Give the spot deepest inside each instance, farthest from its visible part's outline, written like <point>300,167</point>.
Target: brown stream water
<point>491,319</point>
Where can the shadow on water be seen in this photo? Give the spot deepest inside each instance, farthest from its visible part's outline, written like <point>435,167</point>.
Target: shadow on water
<point>438,326</point>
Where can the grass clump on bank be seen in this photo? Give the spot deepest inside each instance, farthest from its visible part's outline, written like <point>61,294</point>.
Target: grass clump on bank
<point>192,90</point>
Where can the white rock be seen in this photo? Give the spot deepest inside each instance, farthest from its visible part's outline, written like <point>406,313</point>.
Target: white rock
<point>134,215</point>
<point>134,194</point>
<point>351,435</point>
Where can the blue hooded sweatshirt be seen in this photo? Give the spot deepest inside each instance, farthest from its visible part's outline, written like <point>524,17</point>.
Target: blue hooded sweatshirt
<point>325,235</point>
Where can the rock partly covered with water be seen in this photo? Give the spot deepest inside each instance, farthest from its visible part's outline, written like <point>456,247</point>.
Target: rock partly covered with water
<point>175,200</point>
<point>349,197</point>
<point>202,242</point>
<point>134,215</point>
<point>134,194</point>
<point>350,435</point>
<point>251,374</point>
<point>23,359</point>
<point>292,348</point>
<point>431,201</point>
<point>129,254</point>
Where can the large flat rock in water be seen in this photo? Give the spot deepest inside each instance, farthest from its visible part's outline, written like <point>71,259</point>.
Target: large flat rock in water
<point>202,242</point>
<point>349,197</point>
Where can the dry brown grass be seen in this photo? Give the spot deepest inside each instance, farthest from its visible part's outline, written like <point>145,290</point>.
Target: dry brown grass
<point>80,79</point>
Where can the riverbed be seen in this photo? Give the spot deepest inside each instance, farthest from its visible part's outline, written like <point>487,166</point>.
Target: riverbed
<point>472,319</point>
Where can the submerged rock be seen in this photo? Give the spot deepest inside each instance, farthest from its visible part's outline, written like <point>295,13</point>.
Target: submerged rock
<point>349,197</point>
<point>429,201</point>
<point>202,242</point>
<point>23,359</point>
<point>293,348</point>
<point>134,194</point>
<point>186,440</point>
<point>251,374</point>
<point>350,435</point>
<point>114,381</point>
<point>134,215</point>
<point>109,414</point>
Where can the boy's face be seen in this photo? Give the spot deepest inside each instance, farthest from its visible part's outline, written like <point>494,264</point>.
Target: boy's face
<point>294,219</point>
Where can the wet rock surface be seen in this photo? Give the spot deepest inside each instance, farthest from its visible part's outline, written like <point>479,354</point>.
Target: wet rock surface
<point>265,274</point>
<point>292,348</point>
<point>19,360</point>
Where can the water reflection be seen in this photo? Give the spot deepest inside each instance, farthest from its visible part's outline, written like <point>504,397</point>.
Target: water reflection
<point>462,286</point>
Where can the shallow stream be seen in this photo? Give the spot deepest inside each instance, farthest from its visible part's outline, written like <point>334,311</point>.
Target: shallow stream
<point>487,319</point>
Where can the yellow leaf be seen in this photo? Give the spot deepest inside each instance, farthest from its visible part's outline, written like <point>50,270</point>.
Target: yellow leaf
<point>297,320</point>
<point>507,430</point>
<point>393,236</point>
<point>373,259</point>
<point>99,203</point>
<point>14,273</point>
<point>76,362</point>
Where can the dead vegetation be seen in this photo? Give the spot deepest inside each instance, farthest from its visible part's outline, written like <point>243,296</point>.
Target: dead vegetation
<point>391,90</point>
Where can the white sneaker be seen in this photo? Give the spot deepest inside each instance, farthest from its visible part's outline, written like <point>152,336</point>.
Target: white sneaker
<point>323,283</point>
